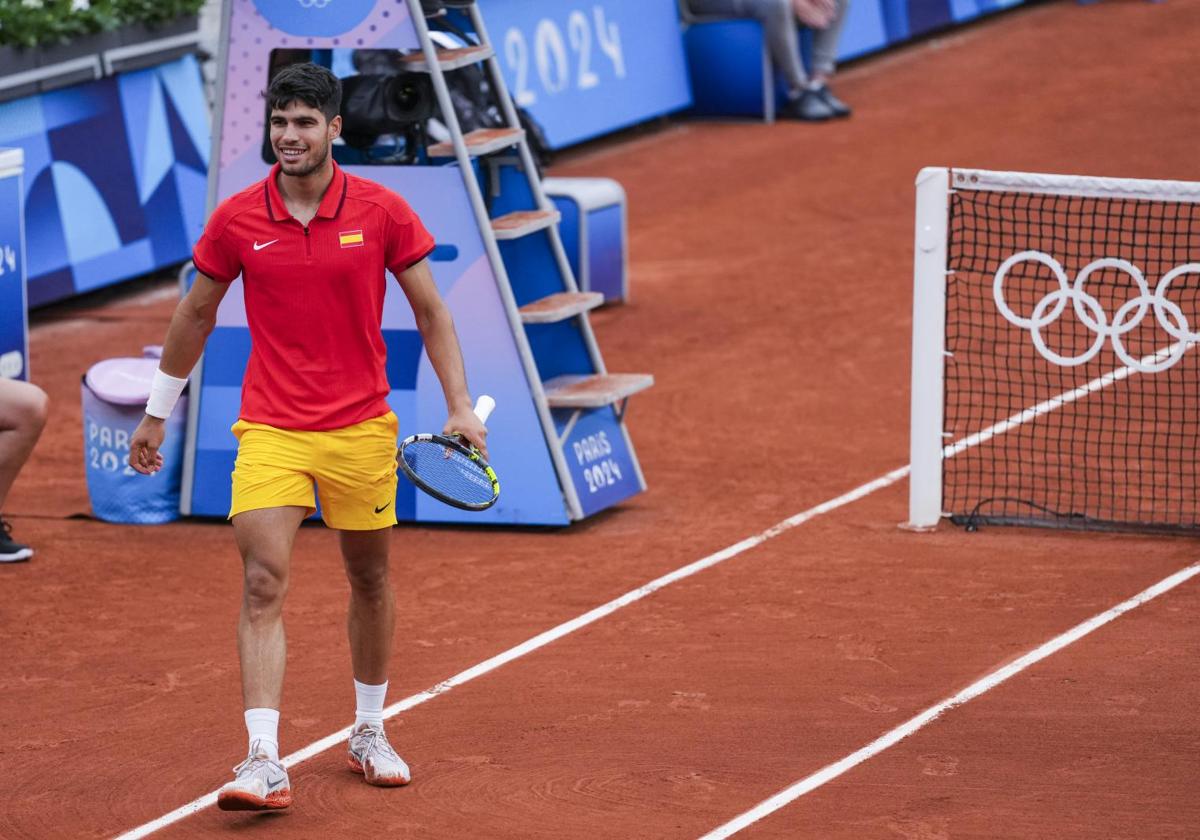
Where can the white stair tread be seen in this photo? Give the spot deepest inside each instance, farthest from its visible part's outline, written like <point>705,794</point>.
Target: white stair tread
<point>449,59</point>
<point>481,141</point>
<point>523,222</point>
<point>594,390</point>
<point>559,307</point>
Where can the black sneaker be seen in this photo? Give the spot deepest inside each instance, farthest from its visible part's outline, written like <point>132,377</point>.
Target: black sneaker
<point>809,107</point>
<point>10,550</point>
<point>837,106</point>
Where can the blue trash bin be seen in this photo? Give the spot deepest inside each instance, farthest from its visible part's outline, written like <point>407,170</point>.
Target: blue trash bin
<point>114,401</point>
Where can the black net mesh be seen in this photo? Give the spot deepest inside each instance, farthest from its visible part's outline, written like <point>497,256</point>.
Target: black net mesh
<point>1110,447</point>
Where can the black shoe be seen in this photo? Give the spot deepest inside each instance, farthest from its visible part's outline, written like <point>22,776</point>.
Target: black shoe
<point>810,107</point>
<point>837,106</point>
<point>435,8</point>
<point>10,550</point>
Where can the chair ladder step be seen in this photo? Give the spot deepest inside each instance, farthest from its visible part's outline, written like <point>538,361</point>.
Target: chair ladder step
<point>449,59</point>
<point>480,142</point>
<point>594,390</point>
<point>559,307</point>
<point>524,222</point>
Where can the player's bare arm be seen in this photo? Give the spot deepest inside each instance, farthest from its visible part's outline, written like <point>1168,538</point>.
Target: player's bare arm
<point>194,319</point>
<point>441,343</point>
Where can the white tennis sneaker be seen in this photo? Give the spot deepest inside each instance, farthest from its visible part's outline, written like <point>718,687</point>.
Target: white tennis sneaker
<point>260,784</point>
<point>373,756</point>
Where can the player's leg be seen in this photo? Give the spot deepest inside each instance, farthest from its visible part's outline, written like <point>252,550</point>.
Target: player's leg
<point>264,538</point>
<point>272,494</point>
<point>23,411</point>
<point>371,620</point>
<point>371,623</point>
<point>356,480</point>
<point>357,483</point>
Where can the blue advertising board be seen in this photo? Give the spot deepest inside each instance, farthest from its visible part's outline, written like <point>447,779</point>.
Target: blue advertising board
<point>598,457</point>
<point>587,67</point>
<point>905,19</point>
<point>13,342</point>
<point>115,176</point>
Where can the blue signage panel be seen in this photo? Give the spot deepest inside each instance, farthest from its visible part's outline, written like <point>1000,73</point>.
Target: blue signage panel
<point>13,364</point>
<point>598,459</point>
<point>863,31</point>
<point>115,176</point>
<point>587,67</point>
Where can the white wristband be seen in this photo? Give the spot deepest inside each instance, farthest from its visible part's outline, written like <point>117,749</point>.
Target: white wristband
<point>164,393</point>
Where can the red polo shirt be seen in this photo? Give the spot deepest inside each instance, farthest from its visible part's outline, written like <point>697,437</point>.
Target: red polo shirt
<point>314,296</point>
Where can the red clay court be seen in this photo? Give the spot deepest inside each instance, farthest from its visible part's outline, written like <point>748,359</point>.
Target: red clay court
<point>771,293</point>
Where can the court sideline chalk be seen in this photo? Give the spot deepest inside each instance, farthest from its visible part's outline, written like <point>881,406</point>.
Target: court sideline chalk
<point>555,633</point>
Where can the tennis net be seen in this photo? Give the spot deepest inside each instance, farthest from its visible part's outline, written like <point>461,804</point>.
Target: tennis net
<point>1055,325</point>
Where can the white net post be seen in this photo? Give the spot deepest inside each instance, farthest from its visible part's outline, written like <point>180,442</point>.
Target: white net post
<point>928,348</point>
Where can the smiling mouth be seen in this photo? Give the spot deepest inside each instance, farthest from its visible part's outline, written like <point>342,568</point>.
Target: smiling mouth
<point>291,154</point>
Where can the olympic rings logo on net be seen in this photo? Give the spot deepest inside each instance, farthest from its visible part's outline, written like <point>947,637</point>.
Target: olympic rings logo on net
<point>308,4</point>
<point>1091,313</point>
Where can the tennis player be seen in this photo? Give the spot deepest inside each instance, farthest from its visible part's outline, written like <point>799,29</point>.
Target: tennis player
<point>311,244</point>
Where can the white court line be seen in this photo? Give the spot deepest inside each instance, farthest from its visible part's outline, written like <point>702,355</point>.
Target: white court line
<point>811,783</point>
<point>831,772</point>
<point>561,630</point>
<point>545,638</point>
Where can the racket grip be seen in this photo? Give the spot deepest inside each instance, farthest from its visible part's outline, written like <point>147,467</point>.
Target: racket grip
<point>484,407</point>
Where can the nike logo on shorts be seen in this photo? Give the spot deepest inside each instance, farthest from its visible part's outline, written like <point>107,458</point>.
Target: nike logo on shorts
<point>382,509</point>
<point>258,247</point>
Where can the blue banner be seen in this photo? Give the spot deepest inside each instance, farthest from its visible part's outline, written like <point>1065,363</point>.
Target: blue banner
<point>116,174</point>
<point>13,364</point>
<point>598,458</point>
<point>587,67</point>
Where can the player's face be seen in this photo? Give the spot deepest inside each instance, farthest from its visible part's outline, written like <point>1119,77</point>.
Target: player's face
<point>301,137</point>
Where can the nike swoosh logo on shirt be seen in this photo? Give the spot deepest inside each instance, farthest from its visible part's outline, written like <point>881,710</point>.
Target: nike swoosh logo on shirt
<point>258,247</point>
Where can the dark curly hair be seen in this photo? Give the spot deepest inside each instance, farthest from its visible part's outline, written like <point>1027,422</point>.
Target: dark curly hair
<point>309,83</point>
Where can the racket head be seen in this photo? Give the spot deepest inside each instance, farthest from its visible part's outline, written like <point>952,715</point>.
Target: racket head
<point>449,470</point>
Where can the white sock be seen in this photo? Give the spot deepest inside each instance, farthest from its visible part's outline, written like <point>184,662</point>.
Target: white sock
<point>263,726</point>
<point>370,703</point>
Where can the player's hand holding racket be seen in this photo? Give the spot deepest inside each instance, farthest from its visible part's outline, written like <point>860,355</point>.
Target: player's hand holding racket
<point>452,467</point>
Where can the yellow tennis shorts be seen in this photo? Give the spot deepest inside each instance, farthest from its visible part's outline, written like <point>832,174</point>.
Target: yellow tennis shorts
<point>353,468</point>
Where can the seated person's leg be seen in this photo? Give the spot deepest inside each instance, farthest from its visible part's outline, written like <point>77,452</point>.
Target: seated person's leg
<point>779,26</point>
<point>825,44</point>
<point>23,411</point>
<point>778,19</point>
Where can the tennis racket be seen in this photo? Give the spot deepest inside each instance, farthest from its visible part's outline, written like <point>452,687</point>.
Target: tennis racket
<point>450,469</point>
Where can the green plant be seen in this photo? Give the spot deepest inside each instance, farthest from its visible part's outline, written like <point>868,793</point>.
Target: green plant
<point>33,23</point>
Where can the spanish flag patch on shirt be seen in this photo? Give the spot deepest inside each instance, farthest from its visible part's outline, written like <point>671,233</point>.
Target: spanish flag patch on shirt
<point>350,238</point>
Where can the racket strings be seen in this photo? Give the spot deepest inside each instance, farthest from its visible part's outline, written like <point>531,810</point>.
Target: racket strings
<point>449,472</point>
